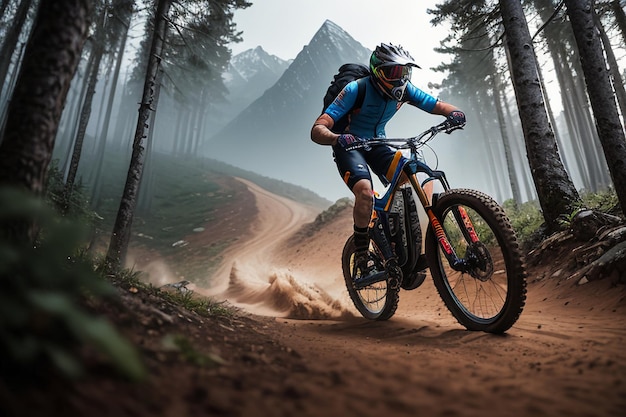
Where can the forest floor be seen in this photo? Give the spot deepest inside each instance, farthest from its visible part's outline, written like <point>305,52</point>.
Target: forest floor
<point>297,347</point>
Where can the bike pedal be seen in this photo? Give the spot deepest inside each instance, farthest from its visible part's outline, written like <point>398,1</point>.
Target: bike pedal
<point>413,280</point>
<point>395,281</point>
<point>373,278</point>
<point>422,263</point>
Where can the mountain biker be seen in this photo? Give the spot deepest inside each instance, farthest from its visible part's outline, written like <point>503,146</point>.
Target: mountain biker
<point>387,88</point>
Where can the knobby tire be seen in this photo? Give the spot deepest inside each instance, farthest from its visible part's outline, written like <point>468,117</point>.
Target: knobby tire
<point>375,302</point>
<point>492,295</point>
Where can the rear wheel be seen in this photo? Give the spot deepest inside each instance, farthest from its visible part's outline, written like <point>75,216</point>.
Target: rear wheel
<point>377,301</point>
<point>487,292</point>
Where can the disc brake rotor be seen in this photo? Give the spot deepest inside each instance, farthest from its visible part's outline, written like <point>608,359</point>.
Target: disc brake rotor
<point>480,260</point>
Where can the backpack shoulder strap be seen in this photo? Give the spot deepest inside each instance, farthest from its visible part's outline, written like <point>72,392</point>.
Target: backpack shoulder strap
<point>341,124</point>
<point>360,93</point>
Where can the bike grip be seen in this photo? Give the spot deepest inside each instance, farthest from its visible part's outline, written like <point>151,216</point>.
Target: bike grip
<point>446,127</point>
<point>453,128</point>
<point>441,127</point>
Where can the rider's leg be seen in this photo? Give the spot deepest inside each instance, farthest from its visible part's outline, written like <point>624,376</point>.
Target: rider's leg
<point>353,168</point>
<point>362,212</point>
<point>363,203</point>
<point>386,163</point>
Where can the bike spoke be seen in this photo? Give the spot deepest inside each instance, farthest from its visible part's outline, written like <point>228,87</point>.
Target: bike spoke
<point>481,293</point>
<point>376,301</point>
<point>373,296</point>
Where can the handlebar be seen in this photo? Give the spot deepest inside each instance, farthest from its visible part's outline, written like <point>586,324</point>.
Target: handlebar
<point>413,143</point>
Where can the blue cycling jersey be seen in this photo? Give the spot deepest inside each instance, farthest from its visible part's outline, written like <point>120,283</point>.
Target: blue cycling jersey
<point>376,110</point>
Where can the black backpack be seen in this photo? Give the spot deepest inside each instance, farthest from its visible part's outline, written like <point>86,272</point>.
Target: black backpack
<point>347,73</point>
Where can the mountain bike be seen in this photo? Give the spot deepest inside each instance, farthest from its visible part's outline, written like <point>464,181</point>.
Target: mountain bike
<point>463,236</point>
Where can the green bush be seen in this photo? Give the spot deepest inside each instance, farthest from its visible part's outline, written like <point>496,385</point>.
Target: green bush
<point>526,219</point>
<point>43,322</point>
<point>603,201</point>
<point>77,206</point>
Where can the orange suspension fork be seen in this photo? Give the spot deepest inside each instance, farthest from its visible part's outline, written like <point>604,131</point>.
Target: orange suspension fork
<point>444,243</point>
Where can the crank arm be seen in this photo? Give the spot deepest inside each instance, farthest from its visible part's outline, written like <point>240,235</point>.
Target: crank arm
<point>368,280</point>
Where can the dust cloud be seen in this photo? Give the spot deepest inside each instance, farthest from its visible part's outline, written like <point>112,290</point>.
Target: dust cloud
<point>282,295</point>
<point>155,272</point>
<point>251,278</point>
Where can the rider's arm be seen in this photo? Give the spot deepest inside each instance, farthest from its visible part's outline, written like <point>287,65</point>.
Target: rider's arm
<point>321,131</point>
<point>428,103</point>
<point>444,108</point>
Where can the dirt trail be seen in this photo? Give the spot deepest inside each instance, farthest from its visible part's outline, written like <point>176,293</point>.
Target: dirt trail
<point>278,218</point>
<point>250,278</point>
<point>564,357</point>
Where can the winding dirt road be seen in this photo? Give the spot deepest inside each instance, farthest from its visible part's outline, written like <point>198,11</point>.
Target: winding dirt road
<point>564,357</point>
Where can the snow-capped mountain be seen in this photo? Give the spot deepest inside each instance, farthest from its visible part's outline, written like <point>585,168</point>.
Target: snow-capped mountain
<point>249,74</point>
<point>248,64</point>
<point>272,135</point>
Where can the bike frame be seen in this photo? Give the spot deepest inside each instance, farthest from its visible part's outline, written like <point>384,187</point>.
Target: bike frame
<point>409,170</point>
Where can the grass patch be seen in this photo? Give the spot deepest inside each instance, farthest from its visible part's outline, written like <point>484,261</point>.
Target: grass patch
<point>604,201</point>
<point>184,194</point>
<point>527,219</point>
<point>131,281</point>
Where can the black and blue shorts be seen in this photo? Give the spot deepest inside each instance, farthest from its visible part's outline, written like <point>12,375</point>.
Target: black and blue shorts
<point>353,165</point>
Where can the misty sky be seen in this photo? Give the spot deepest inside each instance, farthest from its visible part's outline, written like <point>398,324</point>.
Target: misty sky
<point>284,27</point>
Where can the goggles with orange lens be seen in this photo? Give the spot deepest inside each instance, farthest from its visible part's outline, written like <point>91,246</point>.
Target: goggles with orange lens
<point>394,72</point>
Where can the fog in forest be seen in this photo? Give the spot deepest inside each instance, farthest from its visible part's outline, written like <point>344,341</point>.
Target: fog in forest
<point>257,113</point>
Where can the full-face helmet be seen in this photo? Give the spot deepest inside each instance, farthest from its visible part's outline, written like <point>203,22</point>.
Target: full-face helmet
<point>390,66</point>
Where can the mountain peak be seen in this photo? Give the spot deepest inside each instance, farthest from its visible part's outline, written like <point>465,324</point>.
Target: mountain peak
<point>330,24</point>
<point>250,61</point>
<point>258,52</point>
<point>332,30</point>
<point>284,113</point>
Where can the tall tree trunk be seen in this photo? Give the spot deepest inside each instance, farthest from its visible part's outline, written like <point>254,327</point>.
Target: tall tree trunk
<point>50,61</point>
<point>200,118</point>
<point>610,130</point>
<point>510,165</point>
<point>118,246</point>
<point>97,183</point>
<point>568,99</point>
<point>3,6</point>
<point>515,131</point>
<point>181,138</point>
<point>126,117</point>
<point>589,134</point>
<point>499,190</point>
<point>616,77</point>
<point>144,205</point>
<point>556,192</point>
<point>552,119</point>
<point>73,115</point>
<point>85,114</point>
<point>11,40</point>
<point>204,117</point>
<point>191,131</point>
<point>178,129</point>
<point>620,19</point>
<point>576,107</point>
<point>10,84</point>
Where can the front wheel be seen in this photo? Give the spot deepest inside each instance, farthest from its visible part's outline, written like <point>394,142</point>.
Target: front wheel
<point>377,301</point>
<point>486,290</point>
